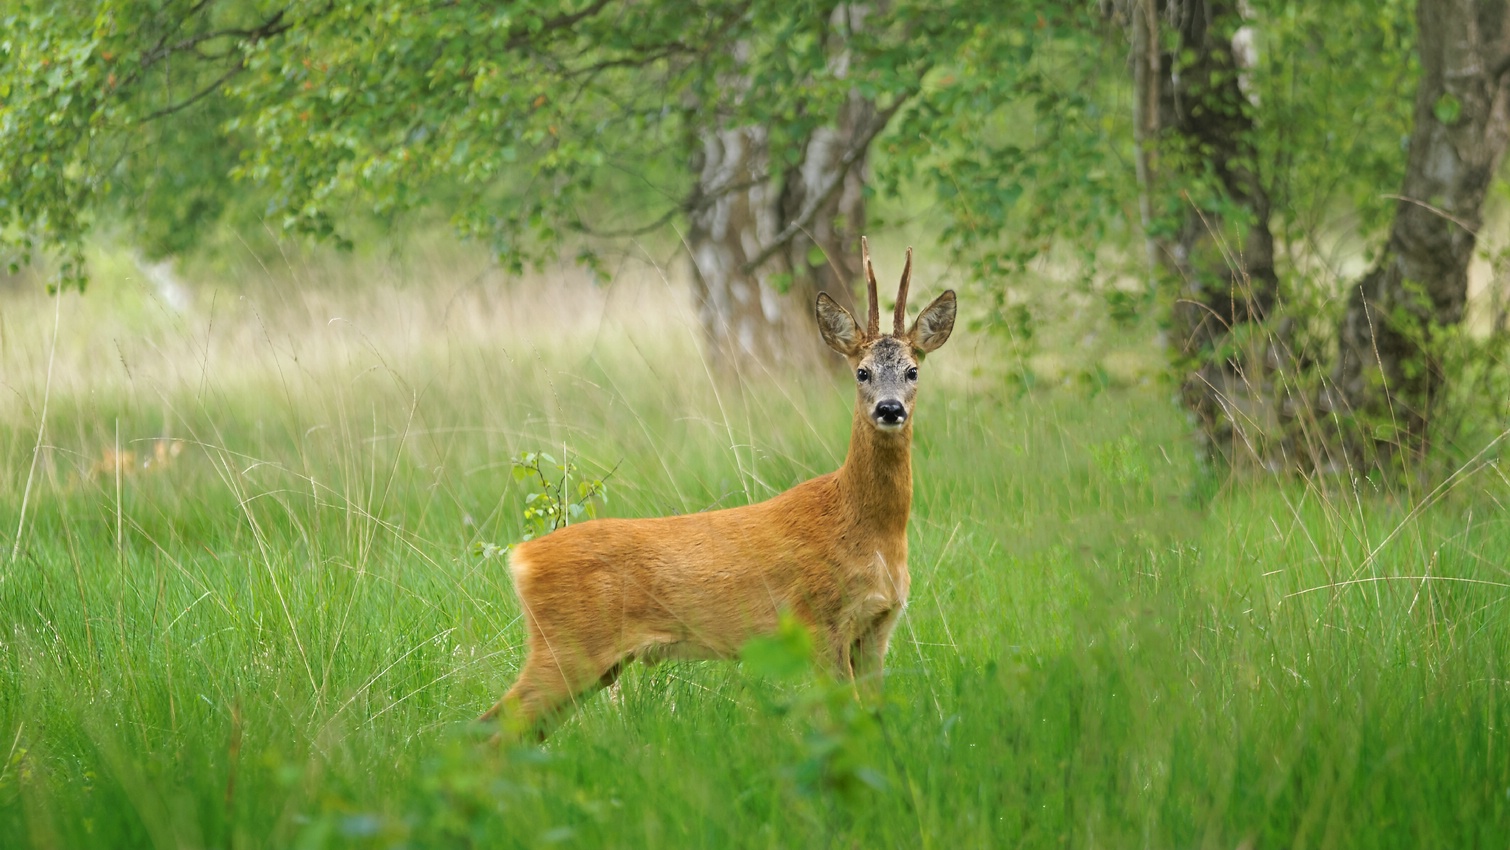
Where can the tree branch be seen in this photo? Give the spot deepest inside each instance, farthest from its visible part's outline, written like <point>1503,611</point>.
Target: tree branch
<point>267,29</point>
<point>846,163</point>
<point>181,105</point>
<point>641,230</point>
<point>564,21</point>
<point>274,26</point>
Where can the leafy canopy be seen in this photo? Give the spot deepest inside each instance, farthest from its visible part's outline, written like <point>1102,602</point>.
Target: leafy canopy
<point>535,121</point>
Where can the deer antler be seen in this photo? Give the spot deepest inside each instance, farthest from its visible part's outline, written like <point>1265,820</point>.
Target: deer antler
<point>899,321</point>
<point>873,326</point>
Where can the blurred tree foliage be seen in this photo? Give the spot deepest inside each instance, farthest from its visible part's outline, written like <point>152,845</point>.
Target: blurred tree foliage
<point>1201,146</point>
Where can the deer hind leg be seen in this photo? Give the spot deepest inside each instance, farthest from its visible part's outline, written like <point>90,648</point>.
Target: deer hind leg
<point>550,685</point>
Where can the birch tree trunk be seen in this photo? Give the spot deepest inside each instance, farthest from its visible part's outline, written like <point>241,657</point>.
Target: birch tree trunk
<point>764,241</point>
<point>1388,376</point>
<point>1189,100</point>
<point>1224,250</point>
<point>745,318</point>
<point>825,255</point>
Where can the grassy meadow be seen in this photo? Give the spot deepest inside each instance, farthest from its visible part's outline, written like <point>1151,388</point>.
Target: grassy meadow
<point>277,632</point>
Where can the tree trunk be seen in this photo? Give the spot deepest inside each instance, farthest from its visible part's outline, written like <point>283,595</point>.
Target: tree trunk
<point>764,244</point>
<point>1146,62</point>
<point>825,256</point>
<point>746,320</point>
<point>1388,375</point>
<point>1220,250</point>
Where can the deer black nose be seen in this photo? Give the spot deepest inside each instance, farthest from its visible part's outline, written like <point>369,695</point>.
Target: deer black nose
<point>891,412</point>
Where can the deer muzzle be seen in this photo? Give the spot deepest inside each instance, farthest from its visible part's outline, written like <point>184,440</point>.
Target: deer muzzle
<point>889,414</point>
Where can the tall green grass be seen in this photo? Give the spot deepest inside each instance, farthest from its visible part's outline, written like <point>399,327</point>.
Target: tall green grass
<point>281,637</point>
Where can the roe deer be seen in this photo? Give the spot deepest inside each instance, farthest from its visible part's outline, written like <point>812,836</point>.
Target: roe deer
<point>115,462</point>
<point>832,550</point>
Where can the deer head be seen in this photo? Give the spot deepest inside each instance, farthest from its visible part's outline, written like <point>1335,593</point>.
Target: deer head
<point>886,365</point>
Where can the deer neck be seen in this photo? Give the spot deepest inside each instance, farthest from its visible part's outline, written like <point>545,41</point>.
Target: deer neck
<point>877,475</point>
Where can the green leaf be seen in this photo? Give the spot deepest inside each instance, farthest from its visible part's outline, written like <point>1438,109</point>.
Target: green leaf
<point>786,654</point>
<point>1447,109</point>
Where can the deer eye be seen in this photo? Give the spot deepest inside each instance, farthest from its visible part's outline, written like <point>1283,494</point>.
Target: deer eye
<point>862,375</point>
<point>912,374</point>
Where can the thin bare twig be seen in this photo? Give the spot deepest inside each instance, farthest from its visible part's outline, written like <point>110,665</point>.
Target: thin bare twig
<point>1438,210</point>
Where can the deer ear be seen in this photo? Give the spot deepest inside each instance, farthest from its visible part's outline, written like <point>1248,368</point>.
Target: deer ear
<point>934,324</point>
<point>837,326</point>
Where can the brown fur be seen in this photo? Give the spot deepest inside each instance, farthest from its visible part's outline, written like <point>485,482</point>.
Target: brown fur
<point>113,463</point>
<point>832,550</point>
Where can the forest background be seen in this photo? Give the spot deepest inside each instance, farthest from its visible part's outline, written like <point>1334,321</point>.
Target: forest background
<point>313,306</point>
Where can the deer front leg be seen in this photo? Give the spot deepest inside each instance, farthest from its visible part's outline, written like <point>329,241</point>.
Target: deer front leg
<point>869,653</point>
<point>840,656</point>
